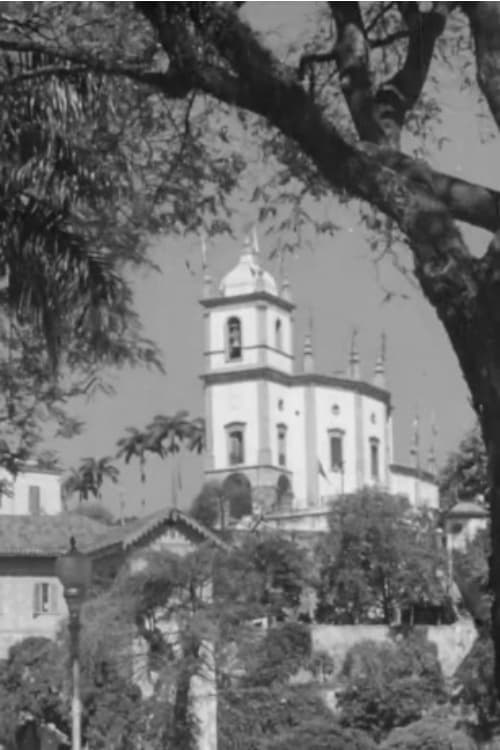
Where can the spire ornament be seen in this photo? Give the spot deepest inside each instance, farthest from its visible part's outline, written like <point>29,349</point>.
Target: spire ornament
<point>354,359</point>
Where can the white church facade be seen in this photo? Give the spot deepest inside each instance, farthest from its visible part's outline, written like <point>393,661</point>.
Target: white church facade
<point>301,437</point>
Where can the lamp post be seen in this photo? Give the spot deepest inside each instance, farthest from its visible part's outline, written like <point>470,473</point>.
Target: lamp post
<point>74,570</point>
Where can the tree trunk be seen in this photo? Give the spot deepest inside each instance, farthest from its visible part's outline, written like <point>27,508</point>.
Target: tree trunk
<point>491,429</point>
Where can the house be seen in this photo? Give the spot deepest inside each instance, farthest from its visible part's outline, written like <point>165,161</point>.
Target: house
<point>300,437</point>
<point>31,596</point>
<point>34,490</point>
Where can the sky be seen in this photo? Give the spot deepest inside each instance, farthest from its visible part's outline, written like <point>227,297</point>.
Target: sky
<point>333,279</point>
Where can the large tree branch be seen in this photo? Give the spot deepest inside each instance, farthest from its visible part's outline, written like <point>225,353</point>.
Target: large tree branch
<point>484,20</point>
<point>397,96</point>
<point>379,116</point>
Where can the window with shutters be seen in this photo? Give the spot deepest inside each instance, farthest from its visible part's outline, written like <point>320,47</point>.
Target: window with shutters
<point>34,504</point>
<point>336,438</point>
<point>45,598</point>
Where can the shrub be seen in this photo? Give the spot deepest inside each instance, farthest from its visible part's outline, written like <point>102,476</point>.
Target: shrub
<point>428,734</point>
<point>389,685</point>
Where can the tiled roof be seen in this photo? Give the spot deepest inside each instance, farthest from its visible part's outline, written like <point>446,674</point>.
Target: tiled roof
<point>47,536</point>
<point>133,533</point>
<point>44,535</point>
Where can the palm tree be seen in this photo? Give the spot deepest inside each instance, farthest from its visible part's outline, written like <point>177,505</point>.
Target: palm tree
<point>163,436</point>
<point>89,477</point>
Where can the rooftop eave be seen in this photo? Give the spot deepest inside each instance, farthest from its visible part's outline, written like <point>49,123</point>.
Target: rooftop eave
<point>238,299</point>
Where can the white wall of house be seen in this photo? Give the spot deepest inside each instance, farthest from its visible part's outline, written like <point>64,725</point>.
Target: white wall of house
<point>30,605</point>
<point>28,485</point>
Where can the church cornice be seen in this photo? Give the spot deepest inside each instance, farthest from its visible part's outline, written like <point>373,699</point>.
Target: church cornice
<point>411,471</point>
<point>239,299</point>
<point>301,379</point>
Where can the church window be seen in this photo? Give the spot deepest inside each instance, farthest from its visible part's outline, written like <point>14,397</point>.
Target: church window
<point>234,338</point>
<point>336,410</point>
<point>336,450</point>
<point>281,445</point>
<point>373,418</point>
<point>236,444</point>
<point>281,404</point>
<point>278,335</point>
<point>34,504</point>
<point>374,459</point>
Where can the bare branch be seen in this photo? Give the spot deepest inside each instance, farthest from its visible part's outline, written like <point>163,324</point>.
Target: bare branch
<point>398,95</point>
<point>389,39</point>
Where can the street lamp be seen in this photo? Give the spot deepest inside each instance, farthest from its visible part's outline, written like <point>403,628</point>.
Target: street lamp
<point>74,571</point>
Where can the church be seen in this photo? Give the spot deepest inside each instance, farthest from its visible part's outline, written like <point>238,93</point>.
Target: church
<point>301,437</point>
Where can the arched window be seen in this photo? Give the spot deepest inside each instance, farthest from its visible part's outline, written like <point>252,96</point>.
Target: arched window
<point>278,334</point>
<point>234,338</point>
<point>374,459</point>
<point>281,433</point>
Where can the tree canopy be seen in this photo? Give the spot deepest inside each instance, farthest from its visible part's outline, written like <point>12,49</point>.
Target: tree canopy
<point>379,557</point>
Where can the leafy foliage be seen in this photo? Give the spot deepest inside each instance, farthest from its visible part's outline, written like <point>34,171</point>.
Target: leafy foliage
<point>261,577</point>
<point>464,475</point>
<point>279,717</point>
<point>429,734</point>
<point>378,557</point>
<point>163,436</point>
<point>207,506</point>
<point>88,478</point>
<point>390,685</point>
<point>476,677</point>
<point>471,574</point>
<point>279,655</point>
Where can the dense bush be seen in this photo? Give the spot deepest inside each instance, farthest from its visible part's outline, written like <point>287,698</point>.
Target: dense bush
<point>428,734</point>
<point>390,685</point>
<point>279,718</point>
<point>280,654</point>
<point>476,677</point>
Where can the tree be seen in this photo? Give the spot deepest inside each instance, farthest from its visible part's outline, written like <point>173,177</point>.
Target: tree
<point>207,505</point>
<point>89,477</point>
<point>96,511</point>
<point>464,475</point>
<point>379,557</point>
<point>429,734</point>
<point>333,121</point>
<point>390,685</point>
<point>470,572</point>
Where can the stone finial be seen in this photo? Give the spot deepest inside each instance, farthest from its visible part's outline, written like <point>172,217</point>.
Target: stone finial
<point>308,347</point>
<point>286,289</point>
<point>415,441</point>
<point>379,378</point>
<point>432,460</point>
<point>354,359</point>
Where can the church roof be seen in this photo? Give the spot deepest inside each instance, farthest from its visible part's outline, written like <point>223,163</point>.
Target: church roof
<point>248,275</point>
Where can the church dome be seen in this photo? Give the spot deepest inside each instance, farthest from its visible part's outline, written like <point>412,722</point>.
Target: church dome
<point>248,276</point>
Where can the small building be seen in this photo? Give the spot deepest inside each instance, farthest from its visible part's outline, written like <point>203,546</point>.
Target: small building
<point>463,521</point>
<point>33,491</point>
<point>31,595</point>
